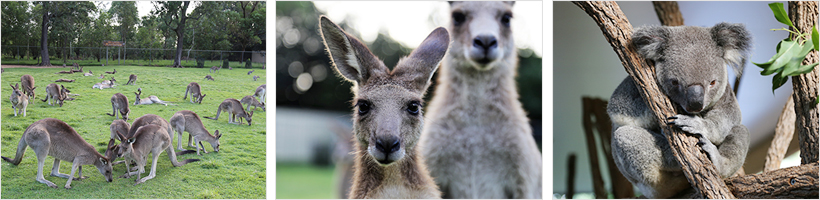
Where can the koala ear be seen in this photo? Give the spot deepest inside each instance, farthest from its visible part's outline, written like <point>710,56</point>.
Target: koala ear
<point>650,41</point>
<point>735,41</point>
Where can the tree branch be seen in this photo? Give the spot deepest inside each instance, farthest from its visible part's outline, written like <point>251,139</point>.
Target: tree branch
<point>668,13</point>
<point>793,182</point>
<point>804,15</point>
<point>696,166</point>
<point>783,134</point>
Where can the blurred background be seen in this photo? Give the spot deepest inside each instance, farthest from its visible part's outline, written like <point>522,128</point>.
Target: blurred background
<point>577,39</point>
<point>313,124</point>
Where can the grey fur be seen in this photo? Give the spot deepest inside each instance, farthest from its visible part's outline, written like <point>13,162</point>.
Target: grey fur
<point>690,64</point>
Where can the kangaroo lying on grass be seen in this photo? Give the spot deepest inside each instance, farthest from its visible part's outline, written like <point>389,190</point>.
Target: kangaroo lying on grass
<point>186,120</point>
<point>150,100</point>
<point>89,73</point>
<point>59,94</point>
<point>27,82</point>
<point>65,72</point>
<point>64,80</point>
<point>55,138</point>
<point>119,102</point>
<point>475,115</point>
<point>250,101</point>
<point>18,100</point>
<point>196,93</point>
<point>235,108</point>
<point>148,139</point>
<point>114,72</point>
<point>388,117</point>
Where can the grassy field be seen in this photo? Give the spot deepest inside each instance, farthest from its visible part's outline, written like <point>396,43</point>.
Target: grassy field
<point>237,171</point>
<point>303,181</point>
<point>139,62</point>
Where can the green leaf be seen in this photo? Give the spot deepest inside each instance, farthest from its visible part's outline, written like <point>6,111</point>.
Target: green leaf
<point>802,69</point>
<point>786,52</point>
<point>778,81</point>
<point>815,38</point>
<point>780,13</point>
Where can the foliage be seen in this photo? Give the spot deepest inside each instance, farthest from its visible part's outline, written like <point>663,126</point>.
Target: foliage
<point>247,23</point>
<point>125,14</point>
<point>237,171</point>
<point>225,64</point>
<point>790,53</point>
<point>248,63</point>
<point>200,62</point>
<point>137,62</point>
<point>16,23</point>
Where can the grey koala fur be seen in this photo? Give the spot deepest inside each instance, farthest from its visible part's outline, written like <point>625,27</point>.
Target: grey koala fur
<point>690,66</point>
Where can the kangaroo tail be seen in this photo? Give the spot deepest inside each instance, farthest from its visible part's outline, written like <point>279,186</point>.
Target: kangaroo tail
<point>46,99</point>
<point>217,114</point>
<point>186,152</point>
<point>186,93</point>
<point>21,149</point>
<point>173,157</point>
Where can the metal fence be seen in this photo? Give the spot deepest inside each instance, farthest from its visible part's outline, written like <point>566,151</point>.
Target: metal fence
<point>123,55</point>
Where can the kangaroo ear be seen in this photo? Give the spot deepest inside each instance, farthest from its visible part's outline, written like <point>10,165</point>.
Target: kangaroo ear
<point>103,161</point>
<point>120,136</point>
<point>217,134</point>
<point>353,60</point>
<point>420,65</point>
<point>132,140</point>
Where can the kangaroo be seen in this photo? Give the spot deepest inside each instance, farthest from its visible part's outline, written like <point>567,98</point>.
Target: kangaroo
<point>250,101</point>
<point>196,93</point>
<point>255,77</point>
<point>65,72</point>
<point>208,77</point>
<point>131,80</point>
<point>102,86</point>
<point>55,138</point>
<point>150,100</point>
<point>186,120</point>
<point>148,139</point>
<point>119,102</point>
<point>109,82</point>
<point>79,68</point>
<point>150,119</point>
<point>89,73</point>
<point>475,115</point>
<point>387,120</point>
<point>59,94</point>
<point>235,108</point>
<point>119,125</point>
<point>64,80</point>
<point>102,76</point>
<point>260,92</point>
<point>18,100</point>
<point>27,82</point>
<point>249,72</point>
<point>114,72</point>
<point>215,69</point>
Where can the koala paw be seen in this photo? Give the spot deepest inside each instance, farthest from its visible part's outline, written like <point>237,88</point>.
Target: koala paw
<point>710,149</point>
<point>690,124</point>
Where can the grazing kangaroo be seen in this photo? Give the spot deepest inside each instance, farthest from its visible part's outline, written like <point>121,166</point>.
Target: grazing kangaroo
<point>64,80</point>
<point>215,69</point>
<point>119,125</point>
<point>475,115</point>
<point>132,79</point>
<point>255,77</point>
<point>249,72</point>
<point>148,139</point>
<point>150,100</point>
<point>388,117</point>
<point>18,100</point>
<point>119,102</point>
<point>89,73</point>
<point>59,94</point>
<point>196,93</point>
<point>55,138</point>
<point>250,101</point>
<point>114,72</point>
<point>208,77</point>
<point>27,82</point>
<point>150,119</point>
<point>186,120</point>
<point>235,108</point>
<point>260,92</point>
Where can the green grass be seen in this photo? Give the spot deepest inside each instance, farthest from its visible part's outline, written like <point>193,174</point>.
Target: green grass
<point>302,181</point>
<point>139,62</point>
<point>237,171</point>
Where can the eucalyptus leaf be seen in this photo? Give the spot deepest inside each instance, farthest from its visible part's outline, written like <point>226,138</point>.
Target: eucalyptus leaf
<point>815,38</point>
<point>771,60</point>
<point>802,69</point>
<point>778,81</point>
<point>786,52</point>
<point>780,13</point>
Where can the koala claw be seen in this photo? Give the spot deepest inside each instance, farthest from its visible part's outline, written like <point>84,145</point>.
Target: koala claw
<point>689,124</point>
<point>710,149</point>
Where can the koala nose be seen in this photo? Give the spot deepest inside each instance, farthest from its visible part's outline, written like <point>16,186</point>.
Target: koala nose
<point>387,145</point>
<point>694,94</point>
<point>485,42</point>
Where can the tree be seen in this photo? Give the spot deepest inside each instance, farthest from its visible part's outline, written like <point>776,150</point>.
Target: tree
<point>173,15</point>
<point>210,29</point>
<point>65,15</point>
<point>16,20</point>
<point>148,36</point>
<point>125,14</point>
<point>250,24</point>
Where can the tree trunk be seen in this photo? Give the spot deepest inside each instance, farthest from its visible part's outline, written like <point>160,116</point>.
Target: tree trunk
<point>804,15</point>
<point>783,134</point>
<point>668,12</point>
<point>44,37</point>
<point>793,182</point>
<point>180,33</point>
<point>697,167</point>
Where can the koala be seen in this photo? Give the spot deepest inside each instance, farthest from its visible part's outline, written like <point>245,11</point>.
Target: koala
<point>690,66</point>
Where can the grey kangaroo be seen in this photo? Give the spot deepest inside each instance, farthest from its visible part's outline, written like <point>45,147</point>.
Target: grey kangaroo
<point>234,107</point>
<point>186,120</point>
<point>196,93</point>
<point>148,139</point>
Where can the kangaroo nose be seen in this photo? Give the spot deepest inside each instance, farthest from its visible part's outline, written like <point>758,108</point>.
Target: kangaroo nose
<point>485,42</point>
<point>387,145</point>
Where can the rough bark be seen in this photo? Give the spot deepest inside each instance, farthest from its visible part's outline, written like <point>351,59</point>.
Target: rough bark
<point>571,176</point>
<point>696,165</point>
<point>180,30</point>
<point>804,15</point>
<point>793,182</point>
<point>668,13</point>
<point>592,151</point>
<point>783,133</point>
<point>44,36</point>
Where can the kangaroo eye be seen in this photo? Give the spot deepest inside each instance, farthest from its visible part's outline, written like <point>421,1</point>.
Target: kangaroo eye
<point>413,108</point>
<point>505,20</point>
<point>458,18</point>
<point>364,107</point>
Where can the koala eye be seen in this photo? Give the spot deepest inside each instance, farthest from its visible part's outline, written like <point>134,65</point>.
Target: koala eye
<point>458,18</point>
<point>364,107</point>
<point>712,83</point>
<point>505,19</point>
<point>413,107</point>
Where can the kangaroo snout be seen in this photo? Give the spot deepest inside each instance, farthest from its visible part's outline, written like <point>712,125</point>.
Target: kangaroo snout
<point>485,42</point>
<point>387,149</point>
